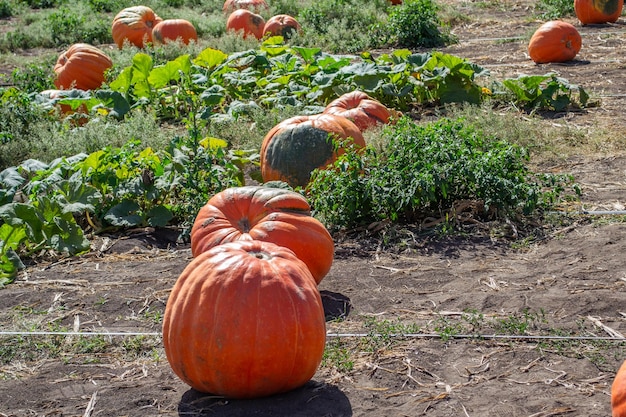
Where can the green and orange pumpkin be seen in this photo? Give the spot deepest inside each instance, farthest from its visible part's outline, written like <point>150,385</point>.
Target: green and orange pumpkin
<point>282,25</point>
<point>598,11</point>
<point>171,30</point>
<point>246,22</point>
<point>293,148</point>
<point>245,320</point>
<point>554,41</point>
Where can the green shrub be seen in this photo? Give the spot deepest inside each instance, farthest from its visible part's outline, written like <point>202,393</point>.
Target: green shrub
<point>555,9</point>
<point>422,170</point>
<point>415,24</point>
<point>33,77</point>
<point>6,9</point>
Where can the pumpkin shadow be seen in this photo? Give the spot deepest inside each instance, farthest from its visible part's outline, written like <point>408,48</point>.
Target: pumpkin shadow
<point>336,306</point>
<point>314,399</point>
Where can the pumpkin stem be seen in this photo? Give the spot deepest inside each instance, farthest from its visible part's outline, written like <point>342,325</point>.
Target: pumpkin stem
<point>244,225</point>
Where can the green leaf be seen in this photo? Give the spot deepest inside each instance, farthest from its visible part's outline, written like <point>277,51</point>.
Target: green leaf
<point>26,215</point>
<point>210,58</point>
<point>308,54</point>
<point>163,75</point>
<point>75,196</point>
<point>116,103</point>
<point>124,214</point>
<point>69,237</point>
<point>159,216</point>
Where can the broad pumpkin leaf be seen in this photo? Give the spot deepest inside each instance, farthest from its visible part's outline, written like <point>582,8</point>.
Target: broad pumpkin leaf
<point>10,181</point>
<point>24,215</point>
<point>210,58</point>
<point>75,196</point>
<point>124,214</point>
<point>115,102</point>
<point>69,237</point>
<point>308,54</point>
<point>159,216</point>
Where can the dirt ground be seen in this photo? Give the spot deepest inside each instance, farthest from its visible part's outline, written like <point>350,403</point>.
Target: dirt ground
<point>571,283</point>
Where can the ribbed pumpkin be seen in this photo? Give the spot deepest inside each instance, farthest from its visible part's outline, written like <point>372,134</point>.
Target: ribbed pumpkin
<point>598,11</point>
<point>170,30</point>
<point>81,66</point>
<point>282,25</point>
<point>251,24</point>
<point>245,320</point>
<point>134,24</point>
<point>618,392</point>
<point>268,214</point>
<point>362,109</point>
<point>254,5</point>
<point>554,41</point>
<point>293,148</point>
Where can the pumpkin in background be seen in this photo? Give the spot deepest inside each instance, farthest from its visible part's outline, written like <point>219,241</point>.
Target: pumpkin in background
<point>618,392</point>
<point>396,2</point>
<point>78,116</point>
<point>170,30</point>
<point>81,66</point>
<point>554,41</point>
<point>254,5</point>
<point>134,24</point>
<point>267,214</point>
<point>245,320</point>
<point>293,148</point>
<point>362,109</point>
<point>598,11</point>
<point>282,25</point>
<point>248,22</point>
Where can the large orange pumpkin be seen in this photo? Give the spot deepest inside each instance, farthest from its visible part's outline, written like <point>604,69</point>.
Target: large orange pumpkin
<point>598,11</point>
<point>268,214</point>
<point>170,30</point>
<point>245,320</point>
<point>282,25</point>
<point>254,5</point>
<point>81,66</point>
<point>362,109</point>
<point>293,148</point>
<point>251,24</point>
<point>554,41</point>
<point>134,24</point>
<point>618,392</point>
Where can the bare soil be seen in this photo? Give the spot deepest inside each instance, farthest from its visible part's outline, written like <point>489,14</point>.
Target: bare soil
<point>573,282</point>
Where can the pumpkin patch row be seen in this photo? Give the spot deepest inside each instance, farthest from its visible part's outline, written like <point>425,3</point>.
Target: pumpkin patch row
<point>245,318</point>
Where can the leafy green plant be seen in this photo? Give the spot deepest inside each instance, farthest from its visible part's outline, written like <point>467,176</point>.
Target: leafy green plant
<point>555,9</point>
<point>423,170</point>
<point>337,354</point>
<point>415,23</point>
<point>6,9</point>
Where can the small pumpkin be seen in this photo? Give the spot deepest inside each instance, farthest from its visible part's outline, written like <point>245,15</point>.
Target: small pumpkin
<point>244,320</point>
<point>598,11</point>
<point>243,20</point>
<point>293,148</point>
<point>134,24</point>
<point>170,30</point>
<point>282,25</point>
<point>554,41</point>
<point>267,214</point>
<point>81,66</point>
<point>362,109</point>
<point>618,392</point>
<point>254,5</point>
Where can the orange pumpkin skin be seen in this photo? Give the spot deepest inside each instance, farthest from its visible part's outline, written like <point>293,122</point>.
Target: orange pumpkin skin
<point>293,148</point>
<point>254,5</point>
<point>363,110</point>
<point>281,25</point>
<point>134,24</point>
<point>169,30</point>
<point>598,11</point>
<point>81,66</point>
<point>618,392</point>
<point>251,24</point>
<point>267,214</point>
<point>554,41</point>
<point>245,320</point>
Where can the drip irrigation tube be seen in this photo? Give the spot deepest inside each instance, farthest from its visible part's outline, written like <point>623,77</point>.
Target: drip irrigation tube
<point>345,335</point>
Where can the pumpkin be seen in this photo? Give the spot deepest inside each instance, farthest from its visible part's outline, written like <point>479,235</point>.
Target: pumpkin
<point>81,66</point>
<point>618,392</point>
<point>282,25</point>
<point>293,148</point>
<point>135,25</point>
<point>254,5</point>
<point>554,41</point>
<point>244,320</point>
<point>170,30</point>
<point>251,24</point>
<point>363,110</point>
<point>598,11</point>
<point>268,214</point>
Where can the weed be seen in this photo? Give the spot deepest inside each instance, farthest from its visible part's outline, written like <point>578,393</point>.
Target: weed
<point>447,328</point>
<point>416,24</point>
<point>520,323</point>
<point>337,355</point>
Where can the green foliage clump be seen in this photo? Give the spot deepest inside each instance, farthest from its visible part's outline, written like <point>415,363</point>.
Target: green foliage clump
<point>422,170</point>
<point>415,23</point>
<point>6,9</point>
<point>555,9</point>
